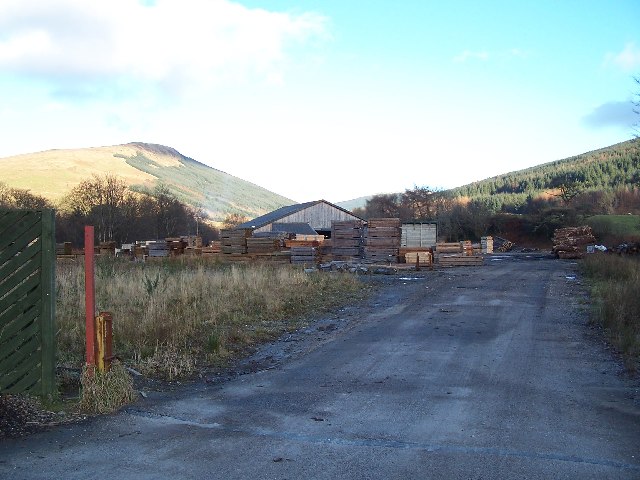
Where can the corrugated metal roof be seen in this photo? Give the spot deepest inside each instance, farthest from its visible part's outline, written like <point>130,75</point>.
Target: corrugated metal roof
<point>271,217</point>
<point>297,228</point>
<point>282,212</point>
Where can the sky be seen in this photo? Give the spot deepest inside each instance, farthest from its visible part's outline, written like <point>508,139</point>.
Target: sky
<point>324,99</point>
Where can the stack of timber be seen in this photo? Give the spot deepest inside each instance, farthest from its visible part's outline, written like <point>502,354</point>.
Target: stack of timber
<point>176,246</point>
<point>304,255</point>
<point>460,260</point>
<point>214,248</point>
<point>419,259</point>
<point>449,247</point>
<point>346,239</point>
<point>457,254</point>
<point>382,240</point>
<point>467,248</point>
<point>572,242</point>
<point>107,248</point>
<point>486,244</point>
<point>234,241</point>
<point>158,248</point>
<point>264,244</point>
<point>64,248</point>
<point>299,240</point>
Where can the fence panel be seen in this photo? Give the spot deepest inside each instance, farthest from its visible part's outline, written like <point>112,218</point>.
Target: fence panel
<point>27,301</point>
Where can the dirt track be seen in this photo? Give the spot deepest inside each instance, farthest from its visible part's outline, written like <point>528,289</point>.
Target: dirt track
<point>488,372</point>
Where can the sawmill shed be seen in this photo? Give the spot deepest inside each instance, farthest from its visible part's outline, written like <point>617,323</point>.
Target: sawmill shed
<point>318,215</point>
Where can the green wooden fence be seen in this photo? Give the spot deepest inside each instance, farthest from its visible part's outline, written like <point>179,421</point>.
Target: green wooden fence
<point>27,301</point>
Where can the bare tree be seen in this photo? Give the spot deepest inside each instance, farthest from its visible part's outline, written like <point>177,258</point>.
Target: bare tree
<point>101,200</point>
<point>20,198</point>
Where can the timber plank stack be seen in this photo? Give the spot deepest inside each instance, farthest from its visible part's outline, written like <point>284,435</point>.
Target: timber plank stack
<point>447,260</point>
<point>449,247</point>
<point>304,255</point>
<point>419,258</point>
<point>571,242</point>
<point>382,238</point>
<point>234,240</point>
<point>64,248</point>
<point>457,254</point>
<point>346,239</point>
<point>264,245</point>
<point>486,243</point>
<point>158,248</point>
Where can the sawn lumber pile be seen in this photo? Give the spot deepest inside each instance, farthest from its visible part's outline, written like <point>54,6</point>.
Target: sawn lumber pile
<point>571,242</point>
<point>234,241</point>
<point>382,240</point>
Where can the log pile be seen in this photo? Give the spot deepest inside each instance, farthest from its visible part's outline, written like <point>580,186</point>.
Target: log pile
<point>382,240</point>
<point>346,239</point>
<point>571,242</point>
<point>234,240</point>
<point>503,245</point>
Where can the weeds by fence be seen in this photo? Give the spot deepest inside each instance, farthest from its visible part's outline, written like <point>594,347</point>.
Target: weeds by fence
<point>172,316</point>
<point>615,288</point>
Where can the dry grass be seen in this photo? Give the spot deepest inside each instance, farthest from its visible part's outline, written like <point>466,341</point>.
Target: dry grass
<point>173,317</point>
<point>105,392</point>
<point>615,284</point>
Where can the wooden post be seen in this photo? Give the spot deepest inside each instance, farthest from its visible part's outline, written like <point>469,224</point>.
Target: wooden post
<point>104,342</point>
<point>48,315</point>
<point>89,294</point>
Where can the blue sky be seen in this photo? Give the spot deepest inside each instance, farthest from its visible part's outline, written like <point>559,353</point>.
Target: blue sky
<point>330,99</point>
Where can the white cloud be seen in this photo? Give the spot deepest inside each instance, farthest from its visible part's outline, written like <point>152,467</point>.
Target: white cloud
<point>471,55</point>
<point>627,60</point>
<point>173,44</point>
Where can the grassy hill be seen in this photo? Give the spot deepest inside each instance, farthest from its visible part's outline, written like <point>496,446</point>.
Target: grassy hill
<point>54,173</point>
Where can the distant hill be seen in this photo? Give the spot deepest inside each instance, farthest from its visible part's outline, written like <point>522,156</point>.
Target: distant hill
<point>606,168</point>
<point>53,173</point>
<point>359,202</point>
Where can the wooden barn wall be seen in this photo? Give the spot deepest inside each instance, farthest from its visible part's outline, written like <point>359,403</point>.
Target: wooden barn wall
<point>319,216</point>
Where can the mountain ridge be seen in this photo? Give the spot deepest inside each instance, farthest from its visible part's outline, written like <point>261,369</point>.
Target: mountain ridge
<point>142,166</point>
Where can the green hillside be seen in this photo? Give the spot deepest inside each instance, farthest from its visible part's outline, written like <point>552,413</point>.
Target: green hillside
<point>606,168</point>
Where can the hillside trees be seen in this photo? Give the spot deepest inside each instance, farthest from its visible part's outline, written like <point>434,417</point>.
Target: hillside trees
<point>18,198</point>
<point>124,216</point>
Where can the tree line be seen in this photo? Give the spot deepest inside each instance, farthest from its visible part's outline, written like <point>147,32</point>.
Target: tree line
<point>117,213</point>
<point>531,215</point>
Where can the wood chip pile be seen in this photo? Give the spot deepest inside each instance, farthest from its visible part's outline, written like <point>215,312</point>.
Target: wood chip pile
<point>571,242</point>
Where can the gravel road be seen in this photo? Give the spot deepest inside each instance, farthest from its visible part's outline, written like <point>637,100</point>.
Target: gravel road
<point>465,373</point>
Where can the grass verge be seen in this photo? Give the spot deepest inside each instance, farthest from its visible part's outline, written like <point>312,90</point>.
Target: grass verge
<point>615,288</point>
<point>176,316</point>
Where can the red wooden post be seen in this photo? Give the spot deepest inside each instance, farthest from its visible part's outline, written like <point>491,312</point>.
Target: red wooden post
<point>89,294</point>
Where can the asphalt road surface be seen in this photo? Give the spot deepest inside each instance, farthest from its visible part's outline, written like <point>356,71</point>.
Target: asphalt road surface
<point>467,373</point>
